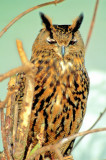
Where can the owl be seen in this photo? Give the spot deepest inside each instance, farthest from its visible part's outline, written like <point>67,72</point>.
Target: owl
<point>61,84</point>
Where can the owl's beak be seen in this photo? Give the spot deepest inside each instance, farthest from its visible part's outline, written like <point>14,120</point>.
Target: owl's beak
<point>63,50</point>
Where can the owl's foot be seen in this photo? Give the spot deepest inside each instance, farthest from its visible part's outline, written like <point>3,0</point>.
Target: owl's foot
<point>68,158</point>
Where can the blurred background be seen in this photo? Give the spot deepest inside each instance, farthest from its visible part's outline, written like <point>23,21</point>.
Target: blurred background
<point>93,146</point>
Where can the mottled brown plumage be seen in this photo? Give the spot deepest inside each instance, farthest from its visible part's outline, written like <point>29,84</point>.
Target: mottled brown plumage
<point>61,83</point>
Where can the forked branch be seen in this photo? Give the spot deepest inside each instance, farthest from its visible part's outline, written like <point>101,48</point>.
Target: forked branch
<point>54,147</point>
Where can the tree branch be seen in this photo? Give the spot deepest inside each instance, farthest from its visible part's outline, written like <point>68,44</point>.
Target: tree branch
<point>101,115</point>
<point>27,11</point>
<point>12,72</point>
<point>92,25</point>
<point>62,142</point>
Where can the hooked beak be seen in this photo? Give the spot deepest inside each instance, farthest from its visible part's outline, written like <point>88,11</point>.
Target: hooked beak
<point>63,50</point>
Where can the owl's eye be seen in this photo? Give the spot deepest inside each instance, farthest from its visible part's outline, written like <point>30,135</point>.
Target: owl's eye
<point>72,42</point>
<point>51,41</point>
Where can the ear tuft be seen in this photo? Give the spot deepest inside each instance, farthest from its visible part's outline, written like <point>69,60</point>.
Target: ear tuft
<point>46,21</point>
<point>77,23</point>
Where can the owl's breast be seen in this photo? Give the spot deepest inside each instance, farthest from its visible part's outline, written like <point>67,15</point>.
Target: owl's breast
<point>60,98</point>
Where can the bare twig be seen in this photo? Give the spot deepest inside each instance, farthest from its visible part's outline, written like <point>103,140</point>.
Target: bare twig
<point>4,138</point>
<point>98,119</point>
<point>70,138</point>
<point>12,72</point>
<point>27,11</point>
<point>92,24</point>
<point>101,115</point>
<point>62,142</point>
<point>21,52</point>
<point>26,67</point>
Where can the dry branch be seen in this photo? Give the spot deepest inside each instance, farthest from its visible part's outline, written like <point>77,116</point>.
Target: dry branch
<point>98,119</point>
<point>92,24</point>
<point>27,11</point>
<point>70,138</point>
<point>21,52</point>
<point>12,72</point>
<point>62,142</point>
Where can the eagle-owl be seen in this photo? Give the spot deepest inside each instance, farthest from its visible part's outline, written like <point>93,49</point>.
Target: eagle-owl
<point>61,84</point>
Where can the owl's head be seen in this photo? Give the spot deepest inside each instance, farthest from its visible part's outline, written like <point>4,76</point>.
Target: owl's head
<point>61,40</point>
